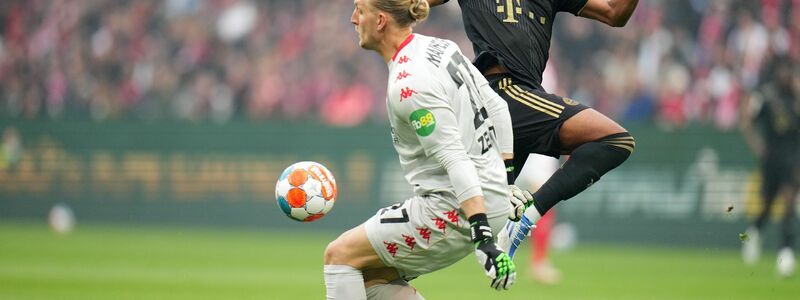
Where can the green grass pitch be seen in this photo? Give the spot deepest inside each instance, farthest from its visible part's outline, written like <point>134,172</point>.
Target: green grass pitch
<point>116,262</point>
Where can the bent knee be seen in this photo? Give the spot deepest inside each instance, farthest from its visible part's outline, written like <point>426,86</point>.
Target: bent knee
<point>623,141</point>
<point>336,253</point>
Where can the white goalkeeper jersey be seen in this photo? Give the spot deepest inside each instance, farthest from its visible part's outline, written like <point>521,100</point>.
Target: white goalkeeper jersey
<point>448,126</point>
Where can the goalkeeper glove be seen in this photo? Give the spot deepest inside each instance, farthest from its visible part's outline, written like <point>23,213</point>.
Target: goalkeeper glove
<point>496,263</point>
<point>520,201</point>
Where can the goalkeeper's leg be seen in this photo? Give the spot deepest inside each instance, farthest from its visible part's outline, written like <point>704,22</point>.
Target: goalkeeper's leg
<point>397,289</point>
<point>345,257</point>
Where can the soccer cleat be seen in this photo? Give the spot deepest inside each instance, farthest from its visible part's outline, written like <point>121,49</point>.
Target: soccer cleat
<point>545,273</point>
<point>512,235</point>
<point>786,262</point>
<point>751,246</point>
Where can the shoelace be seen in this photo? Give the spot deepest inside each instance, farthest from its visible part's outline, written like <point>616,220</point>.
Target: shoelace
<point>518,234</point>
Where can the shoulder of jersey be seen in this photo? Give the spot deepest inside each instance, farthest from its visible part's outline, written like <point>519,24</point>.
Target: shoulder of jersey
<point>428,53</point>
<point>419,67</point>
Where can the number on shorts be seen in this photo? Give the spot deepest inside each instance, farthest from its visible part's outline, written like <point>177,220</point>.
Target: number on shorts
<point>394,216</point>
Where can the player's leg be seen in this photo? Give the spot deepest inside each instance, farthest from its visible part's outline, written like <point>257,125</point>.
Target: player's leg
<point>344,259</point>
<point>786,260</point>
<point>534,122</point>
<point>596,145</point>
<point>540,238</point>
<point>398,289</point>
<point>789,194</point>
<point>413,238</point>
<point>553,125</point>
<point>542,269</point>
<point>770,184</point>
<point>537,170</point>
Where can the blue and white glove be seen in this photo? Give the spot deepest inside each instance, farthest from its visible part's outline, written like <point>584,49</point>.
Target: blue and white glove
<point>520,201</point>
<point>496,263</point>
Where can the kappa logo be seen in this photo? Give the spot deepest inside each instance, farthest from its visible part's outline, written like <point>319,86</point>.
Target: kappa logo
<point>391,248</point>
<point>410,241</point>
<point>440,223</point>
<point>405,93</point>
<point>402,76</point>
<point>425,233</point>
<point>403,59</point>
<point>452,216</point>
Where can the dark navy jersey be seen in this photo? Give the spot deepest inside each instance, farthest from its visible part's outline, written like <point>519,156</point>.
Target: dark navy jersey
<point>777,112</point>
<point>514,33</point>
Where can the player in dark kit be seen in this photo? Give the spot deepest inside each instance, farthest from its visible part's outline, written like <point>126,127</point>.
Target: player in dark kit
<point>511,40</point>
<point>770,122</point>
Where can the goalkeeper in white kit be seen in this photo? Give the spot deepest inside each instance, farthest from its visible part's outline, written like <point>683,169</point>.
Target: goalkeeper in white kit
<point>449,129</point>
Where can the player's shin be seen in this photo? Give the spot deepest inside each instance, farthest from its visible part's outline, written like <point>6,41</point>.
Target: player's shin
<point>587,163</point>
<point>343,282</point>
<point>533,215</point>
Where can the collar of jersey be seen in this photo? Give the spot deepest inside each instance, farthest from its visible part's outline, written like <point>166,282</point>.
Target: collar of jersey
<point>402,45</point>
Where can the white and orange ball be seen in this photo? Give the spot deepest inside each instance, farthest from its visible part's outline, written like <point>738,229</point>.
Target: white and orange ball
<point>306,191</point>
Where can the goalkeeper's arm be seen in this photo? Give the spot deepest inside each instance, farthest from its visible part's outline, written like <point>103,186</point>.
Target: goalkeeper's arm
<point>464,178</point>
<point>496,264</point>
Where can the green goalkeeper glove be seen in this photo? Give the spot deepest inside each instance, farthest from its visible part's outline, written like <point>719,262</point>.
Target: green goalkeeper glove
<point>496,263</point>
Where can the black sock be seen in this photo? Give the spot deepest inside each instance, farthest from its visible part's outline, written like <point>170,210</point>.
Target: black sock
<point>585,166</point>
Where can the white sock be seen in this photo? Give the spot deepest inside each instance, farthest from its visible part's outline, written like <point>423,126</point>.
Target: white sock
<point>344,282</point>
<point>533,214</point>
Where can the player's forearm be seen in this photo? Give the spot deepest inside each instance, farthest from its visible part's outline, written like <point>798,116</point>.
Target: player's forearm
<point>622,11</point>
<point>463,175</point>
<point>612,12</point>
<point>473,206</point>
<point>751,137</point>
<point>497,108</point>
<point>501,118</point>
<point>753,140</point>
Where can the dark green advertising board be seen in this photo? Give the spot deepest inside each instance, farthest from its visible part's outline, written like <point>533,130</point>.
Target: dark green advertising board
<point>692,186</point>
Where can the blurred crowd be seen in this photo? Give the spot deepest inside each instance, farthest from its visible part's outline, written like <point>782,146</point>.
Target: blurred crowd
<point>676,62</point>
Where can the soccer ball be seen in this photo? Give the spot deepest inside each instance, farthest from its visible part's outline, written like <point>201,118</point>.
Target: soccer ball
<point>306,191</point>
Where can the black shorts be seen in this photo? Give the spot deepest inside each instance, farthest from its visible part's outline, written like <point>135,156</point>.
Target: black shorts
<point>536,116</point>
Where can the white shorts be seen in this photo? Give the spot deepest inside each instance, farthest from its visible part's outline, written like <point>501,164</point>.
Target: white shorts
<point>416,238</point>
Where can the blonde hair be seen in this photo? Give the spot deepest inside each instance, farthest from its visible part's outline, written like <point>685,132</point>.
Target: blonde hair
<point>404,12</point>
